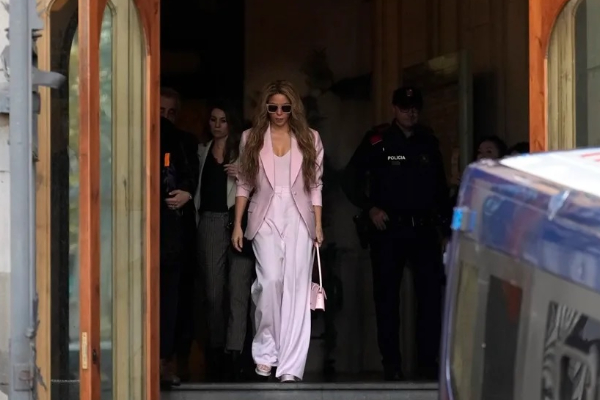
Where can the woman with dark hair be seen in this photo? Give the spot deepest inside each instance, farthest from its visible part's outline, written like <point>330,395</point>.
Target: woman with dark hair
<point>491,148</point>
<point>226,275</point>
<point>282,163</point>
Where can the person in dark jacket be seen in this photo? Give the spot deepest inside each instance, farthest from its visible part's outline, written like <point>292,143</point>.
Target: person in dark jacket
<point>179,178</point>
<point>396,177</point>
<point>170,107</point>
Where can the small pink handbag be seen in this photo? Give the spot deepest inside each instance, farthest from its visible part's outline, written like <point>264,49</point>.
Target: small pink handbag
<point>317,293</point>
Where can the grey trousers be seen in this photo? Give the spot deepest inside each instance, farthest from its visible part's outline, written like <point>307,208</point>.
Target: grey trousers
<point>226,279</point>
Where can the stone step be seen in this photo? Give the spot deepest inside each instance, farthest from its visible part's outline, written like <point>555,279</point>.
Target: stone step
<point>305,391</point>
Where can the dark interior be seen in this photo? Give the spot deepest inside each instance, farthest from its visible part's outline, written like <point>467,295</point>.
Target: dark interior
<point>213,32</point>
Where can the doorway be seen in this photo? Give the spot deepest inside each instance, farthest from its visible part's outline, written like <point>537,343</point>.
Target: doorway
<point>250,43</point>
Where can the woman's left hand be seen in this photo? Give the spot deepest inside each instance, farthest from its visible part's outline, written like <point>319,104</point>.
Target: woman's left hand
<point>319,238</point>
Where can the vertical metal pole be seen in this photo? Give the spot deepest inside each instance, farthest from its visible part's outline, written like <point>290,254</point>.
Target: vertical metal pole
<point>33,293</point>
<point>21,371</point>
<point>33,158</point>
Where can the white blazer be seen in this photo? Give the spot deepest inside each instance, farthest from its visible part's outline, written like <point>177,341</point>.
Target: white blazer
<point>202,155</point>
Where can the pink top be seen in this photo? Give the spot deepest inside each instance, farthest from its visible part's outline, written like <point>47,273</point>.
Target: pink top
<point>282,170</point>
<point>264,189</point>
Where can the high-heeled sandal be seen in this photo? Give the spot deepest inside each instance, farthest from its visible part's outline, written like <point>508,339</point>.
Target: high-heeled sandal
<point>287,378</point>
<point>263,370</point>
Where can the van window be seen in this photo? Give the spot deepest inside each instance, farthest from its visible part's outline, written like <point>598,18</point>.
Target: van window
<point>571,349</point>
<point>463,334</point>
<point>503,313</point>
<point>500,337</point>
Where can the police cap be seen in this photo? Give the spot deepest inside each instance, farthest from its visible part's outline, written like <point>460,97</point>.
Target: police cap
<point>407,97</point>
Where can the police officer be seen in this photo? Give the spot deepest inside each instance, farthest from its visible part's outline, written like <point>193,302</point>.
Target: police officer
<point>404,207</point>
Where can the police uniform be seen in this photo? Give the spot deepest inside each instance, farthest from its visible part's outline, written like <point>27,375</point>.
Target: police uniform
<point>406,179</point>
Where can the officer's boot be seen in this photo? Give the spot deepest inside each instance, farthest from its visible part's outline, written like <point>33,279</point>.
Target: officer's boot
<point>235,365</point>
<point>215,364</point>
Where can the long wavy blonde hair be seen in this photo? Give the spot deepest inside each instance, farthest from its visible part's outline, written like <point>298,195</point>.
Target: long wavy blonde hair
<point>298,127</point>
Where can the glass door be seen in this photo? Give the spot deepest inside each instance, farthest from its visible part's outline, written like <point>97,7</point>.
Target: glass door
<point>98,202</point>
<point>118,152</point>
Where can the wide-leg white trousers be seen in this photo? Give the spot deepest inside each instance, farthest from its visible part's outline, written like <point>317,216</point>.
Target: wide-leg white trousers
<point>281,292</point>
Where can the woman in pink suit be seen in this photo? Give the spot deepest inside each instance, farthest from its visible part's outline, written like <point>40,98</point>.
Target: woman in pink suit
<point>282,166</point>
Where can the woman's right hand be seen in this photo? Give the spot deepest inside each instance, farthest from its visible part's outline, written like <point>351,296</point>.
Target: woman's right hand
<point>237,238</point>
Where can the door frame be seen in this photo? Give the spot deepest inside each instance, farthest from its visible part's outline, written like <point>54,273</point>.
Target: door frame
<point>90,19</point>
<point>149,11</point>
<point>542,16</point>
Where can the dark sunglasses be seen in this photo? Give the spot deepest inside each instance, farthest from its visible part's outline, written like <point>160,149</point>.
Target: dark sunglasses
<point>272,108</point>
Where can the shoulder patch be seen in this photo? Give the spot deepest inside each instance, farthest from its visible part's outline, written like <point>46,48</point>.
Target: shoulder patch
<point>377,133</point>
<point>376,138</point>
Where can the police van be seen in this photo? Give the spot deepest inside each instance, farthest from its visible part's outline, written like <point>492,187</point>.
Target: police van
<point>522,318</point>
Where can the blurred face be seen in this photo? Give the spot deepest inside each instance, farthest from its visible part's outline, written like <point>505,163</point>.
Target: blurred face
<point>488,151</point>
<point>407,118</point>
<point>218,124</point>
<point>168,108</point>
<point>279,108</point>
